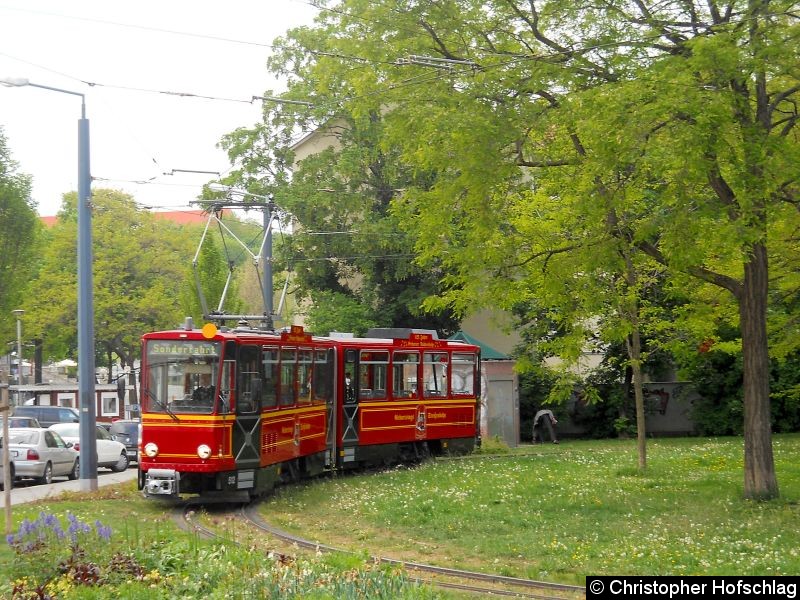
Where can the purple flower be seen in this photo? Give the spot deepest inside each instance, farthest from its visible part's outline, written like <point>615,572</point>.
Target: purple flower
<point>103,531</point>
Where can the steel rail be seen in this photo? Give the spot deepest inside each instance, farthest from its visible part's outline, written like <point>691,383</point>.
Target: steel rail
<point>249,513</point>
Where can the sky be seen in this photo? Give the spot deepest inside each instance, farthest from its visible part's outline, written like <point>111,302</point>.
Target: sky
<point>132,61</point>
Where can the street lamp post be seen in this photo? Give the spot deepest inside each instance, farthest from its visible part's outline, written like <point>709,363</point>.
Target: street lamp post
<point>6,457</point>
<point>86,389</point>
<point>18,314</point>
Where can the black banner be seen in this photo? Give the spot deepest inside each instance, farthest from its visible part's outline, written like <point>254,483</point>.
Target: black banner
<point>608,586</point>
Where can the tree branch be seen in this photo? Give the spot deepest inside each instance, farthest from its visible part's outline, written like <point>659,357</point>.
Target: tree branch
<point>438,42</point>
<point>734,286</point>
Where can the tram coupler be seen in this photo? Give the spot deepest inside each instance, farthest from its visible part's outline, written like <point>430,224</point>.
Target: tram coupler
<point>162,482</point>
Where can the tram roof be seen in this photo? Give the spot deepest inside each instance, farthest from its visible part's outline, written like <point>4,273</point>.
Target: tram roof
<point>296,335</point>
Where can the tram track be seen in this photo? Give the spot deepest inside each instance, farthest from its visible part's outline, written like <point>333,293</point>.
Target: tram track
<point>471,582</point>
<point>508,586</point>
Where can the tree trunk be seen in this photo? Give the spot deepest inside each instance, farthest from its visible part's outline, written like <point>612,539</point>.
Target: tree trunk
<point>760,482</point>
<point>635,355</point>
<point>634,343</point>
<point>627,385</point>
<point>110,363</point>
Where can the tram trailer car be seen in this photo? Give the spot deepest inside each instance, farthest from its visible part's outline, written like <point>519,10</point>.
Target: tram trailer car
<point>226,413</point>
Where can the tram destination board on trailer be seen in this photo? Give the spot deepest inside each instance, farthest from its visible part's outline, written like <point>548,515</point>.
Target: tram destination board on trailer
<point>226,413</point>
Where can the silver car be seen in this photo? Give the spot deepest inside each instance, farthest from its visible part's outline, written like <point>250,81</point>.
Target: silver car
<point>110,453</point>
<point>40,454</point>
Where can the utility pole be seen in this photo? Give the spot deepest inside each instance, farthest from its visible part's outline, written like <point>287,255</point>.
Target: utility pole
<point>266,258</point>
<point>18,314</point>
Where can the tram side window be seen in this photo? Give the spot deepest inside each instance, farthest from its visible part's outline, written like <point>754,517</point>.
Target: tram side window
<point>322,378</point>
<point>462,374</point>
<point>305,360</point>
<point>434,373</point>
<point>288,394</point>
<point>404,374</point>
<point>271,360</point>
<point>249,385</point>
<point>373,369</point>
<point>226,392</point>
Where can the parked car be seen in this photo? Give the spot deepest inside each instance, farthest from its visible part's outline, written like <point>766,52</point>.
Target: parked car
<point>48,415</point>
<point>41,454</point>
<point>17,422</point>
<point>110,453</point>
<point>127,432</point>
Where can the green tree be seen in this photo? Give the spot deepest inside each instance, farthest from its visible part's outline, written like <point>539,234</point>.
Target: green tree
<point>662,131</point>
<point>19,233</point>
<point>211,274</point>
<point>347,241</point>
<point>332,311</point>
<point>139,267</point>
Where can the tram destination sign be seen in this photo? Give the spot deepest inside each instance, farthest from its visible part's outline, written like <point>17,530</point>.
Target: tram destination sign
<point>182,348</point>
<point>421,340</point>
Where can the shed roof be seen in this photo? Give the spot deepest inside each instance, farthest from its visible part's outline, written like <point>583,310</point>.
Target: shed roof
<point>487,352</point>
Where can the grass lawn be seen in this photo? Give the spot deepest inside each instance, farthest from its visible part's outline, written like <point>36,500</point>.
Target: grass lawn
<point>557,513</point>
<point>562,512</point>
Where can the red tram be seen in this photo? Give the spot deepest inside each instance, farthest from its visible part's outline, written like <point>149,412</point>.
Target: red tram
<point>228,412</point>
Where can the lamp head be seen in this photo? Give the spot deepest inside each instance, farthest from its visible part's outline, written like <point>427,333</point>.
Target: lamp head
<point>14,81</point>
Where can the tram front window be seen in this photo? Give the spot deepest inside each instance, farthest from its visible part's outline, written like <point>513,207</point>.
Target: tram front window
<point>181,376</point>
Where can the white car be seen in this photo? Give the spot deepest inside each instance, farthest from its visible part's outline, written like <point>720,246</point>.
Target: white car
<point>39,453</point>
<point>110,453</point>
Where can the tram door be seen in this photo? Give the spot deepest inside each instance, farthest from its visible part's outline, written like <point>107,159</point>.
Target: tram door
<point>247,426</point>
<point>350,405</point>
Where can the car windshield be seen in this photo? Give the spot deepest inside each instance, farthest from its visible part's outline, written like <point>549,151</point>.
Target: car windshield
<point>181,376</point>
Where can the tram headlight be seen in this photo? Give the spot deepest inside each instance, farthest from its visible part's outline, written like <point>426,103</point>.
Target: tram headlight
<point>151,450</point>
<point>203,451</point>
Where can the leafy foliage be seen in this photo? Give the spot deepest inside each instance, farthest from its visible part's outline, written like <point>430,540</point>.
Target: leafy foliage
<point>717,378</point>
<point>572,153</point>
<point>346,239</point>
<point>20,233</point>
<point>139,269</point>
<point>333,311</point>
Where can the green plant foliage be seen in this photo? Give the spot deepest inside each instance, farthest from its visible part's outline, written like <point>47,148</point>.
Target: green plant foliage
<point>20,232</point>
<point>139,267</point>
<point>332,311</point>
<point>571,154</point>
<point>49,559</point>
<point>213,269</point>
<point>558,512</point>
<point>534,390</point>
<point>716,376</point>
<point>82,561</point>
<point>346,240</point>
